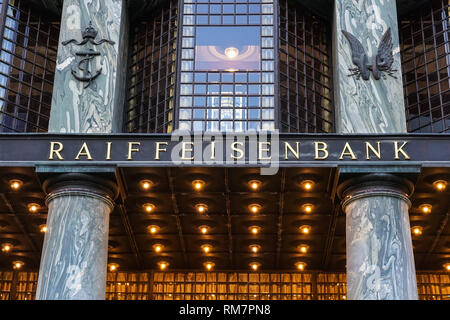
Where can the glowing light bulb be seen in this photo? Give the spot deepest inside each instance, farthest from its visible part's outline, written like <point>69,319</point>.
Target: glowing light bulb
<point>440,185</point>
<point>163,265</point>
<point>255,248</point>
<point>198,184</point>
<point>231,52</point>
<point>307,185</point>
<point>33,207</point>
<point>254,184</point>
<point>158,247</point>
<point>255,229</point>
<point>417,230</point>
<point>308,208</point>
<point>447,266</point>
<point>425,208</point>
<point>303,248</point>
<point>300,266</point>
<point>6,247</point>
<point>15,184</point>
<point>255,266</point>
<point>305,229</point>
<point>153,229</point>
<point>206,248</point>
<point>254,208</point>
<point>148,207</point>
<point>43,228</point>
<point>146,184</point>
<point>209,265</point>
<point>204,229</point>
<point>113,267</point>
<point>18,265</point>
<point>201,208</point>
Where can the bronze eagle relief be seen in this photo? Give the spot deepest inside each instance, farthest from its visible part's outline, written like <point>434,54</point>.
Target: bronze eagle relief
<point>380,65</point>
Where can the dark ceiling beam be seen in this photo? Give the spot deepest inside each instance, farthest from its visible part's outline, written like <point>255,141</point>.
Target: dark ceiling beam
<point>170,178</point>
<point>332,187</point>
<point>36,257</point>
<point>126,220</point>
<point>228,207</point>
<point>437,238</point>
<point>280,216</point>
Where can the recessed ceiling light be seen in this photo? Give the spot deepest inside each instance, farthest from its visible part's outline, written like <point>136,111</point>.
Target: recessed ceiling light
<point>303,248</point>
<point>158,247</point>
<point>425,208</point>
<point>255,229</point>
<point>254,208</point>
<point>206,248</point>
<point>255,265</point>
<point>201,208</point>
<point>43,228</point>
<point>198,184</point>
<point>440,185</point>
<point>417,230</point>
<point>209,265</point>
<point>204,229</point>
<point>33,207</point>
<point>146,184</point>
<point>300,265</point>
<point>7,247</point>
<point>18,265</point>
<point>254,184</point>
<point>255,248</point>
<point>113,267</point>
<point>15,184</point>
<point>153,229</point>
<point>305,229</point>
<point>163,265</point>
<point>307,185</point>
<point>148,207</point>
<point>308,208</point>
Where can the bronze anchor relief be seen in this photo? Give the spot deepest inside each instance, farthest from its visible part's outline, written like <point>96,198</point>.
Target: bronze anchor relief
<point>84,64</point>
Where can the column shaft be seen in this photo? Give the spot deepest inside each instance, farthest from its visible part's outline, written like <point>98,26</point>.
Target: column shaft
<point>366,106</point>
<point>74,257</point>
<point>95,106</point>
<point>380,260</point>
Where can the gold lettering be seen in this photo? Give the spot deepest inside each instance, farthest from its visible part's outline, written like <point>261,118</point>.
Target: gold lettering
<point>84,151</point>
<point>347,153</point>
<point>233,147</point>
<point>158,149</point>
<point>54,151</point>
<point>323,149</point>
<point>399,149</point>
<point>213,150</point>
<point>261,149</point>
<point>131,149</point>
<point>288,147</point>
<point>376,152</point>
<point>108,150</point>
<point>184,150</point>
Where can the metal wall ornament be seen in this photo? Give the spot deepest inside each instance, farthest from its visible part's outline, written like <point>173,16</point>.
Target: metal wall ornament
<point>84,64</point>
<point>381,63</point>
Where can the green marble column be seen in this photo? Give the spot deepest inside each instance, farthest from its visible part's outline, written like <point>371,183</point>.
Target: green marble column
<point>366,106</point>
<point>96,106</point>
<point>74,257</point>
<point>380,263</point>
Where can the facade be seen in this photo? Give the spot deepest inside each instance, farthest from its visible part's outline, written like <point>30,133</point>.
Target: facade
<point>224,149</point>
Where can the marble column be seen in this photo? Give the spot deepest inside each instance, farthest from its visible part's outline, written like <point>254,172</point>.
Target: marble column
<point>366,106</point>
<point>74,257</point>
<point>380,261</point>
<point>95,106</point>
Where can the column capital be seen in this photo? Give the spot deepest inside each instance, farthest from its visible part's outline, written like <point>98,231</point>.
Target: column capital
<point>81,184</point>
<point>375,184</point>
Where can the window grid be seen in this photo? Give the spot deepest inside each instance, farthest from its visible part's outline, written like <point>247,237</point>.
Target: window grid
<point>425,53</point>
<point>151,86</point>
<point>27,66</point>
<point>220,100</point>
<point>305,71</point>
